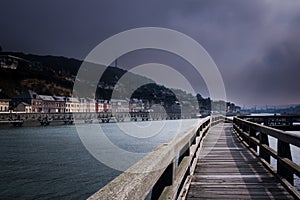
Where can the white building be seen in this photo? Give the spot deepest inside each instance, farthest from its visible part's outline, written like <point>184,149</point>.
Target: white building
<point>4,105</point>
<point>72,104</point>
<point>119,105</point>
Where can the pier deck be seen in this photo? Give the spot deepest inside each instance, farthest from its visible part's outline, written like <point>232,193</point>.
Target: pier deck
<point>228,170</point>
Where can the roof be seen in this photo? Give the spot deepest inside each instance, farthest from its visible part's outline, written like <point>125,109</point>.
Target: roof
<point>47,98</point>
<point>82,100</point>
<point>90,100</point>
<point>60,98</point>
<point>72,99</point>
<point>29,94</point>
<point>119,100</point>
<point>25,104</point>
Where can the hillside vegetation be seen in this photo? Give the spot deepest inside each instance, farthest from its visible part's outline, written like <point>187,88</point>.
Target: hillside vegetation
<point>54,75</point>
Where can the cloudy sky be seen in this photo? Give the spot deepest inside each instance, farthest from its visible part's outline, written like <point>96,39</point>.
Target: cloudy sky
<point>255,44</point>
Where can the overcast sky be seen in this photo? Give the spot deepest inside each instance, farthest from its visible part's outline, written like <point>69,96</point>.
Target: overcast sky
<point>255,44</point>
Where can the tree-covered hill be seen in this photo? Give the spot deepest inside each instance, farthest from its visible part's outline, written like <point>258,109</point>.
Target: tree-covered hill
<point>55,75</point>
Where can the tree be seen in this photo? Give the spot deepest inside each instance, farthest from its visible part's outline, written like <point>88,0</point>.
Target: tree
<point>0,48</point>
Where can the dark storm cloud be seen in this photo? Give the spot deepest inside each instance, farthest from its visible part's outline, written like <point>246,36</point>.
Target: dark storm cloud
<point>253,40</point>
<point>276,76</point>
<point>236,33</point>
<point>70,27</point>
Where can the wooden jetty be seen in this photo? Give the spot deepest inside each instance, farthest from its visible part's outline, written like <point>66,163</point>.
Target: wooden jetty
<point>213,160</point>
<point>228,170</point>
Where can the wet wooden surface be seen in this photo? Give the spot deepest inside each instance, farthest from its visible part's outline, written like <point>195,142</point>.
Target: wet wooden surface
<point>228,170</point>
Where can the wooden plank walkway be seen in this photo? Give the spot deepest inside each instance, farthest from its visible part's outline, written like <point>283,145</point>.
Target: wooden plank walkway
<point>228,170</point>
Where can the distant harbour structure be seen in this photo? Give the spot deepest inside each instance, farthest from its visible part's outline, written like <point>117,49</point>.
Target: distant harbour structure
<point>12,62</point>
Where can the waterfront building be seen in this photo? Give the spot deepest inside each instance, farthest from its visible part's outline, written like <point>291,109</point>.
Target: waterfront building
<point>30,97</point>
<point>30,101</point>
<point>102,105</point>
<point>87,105</point>
<point>4,105</point>
<point>99,105</point>
<point>23,108</point>
<point>135,105</point>
<point>72,104</point>
<point>90,105</point>
<point>83,104</point>
<point>119,105</point>
<point>60,103</point>
<point>48,105</point>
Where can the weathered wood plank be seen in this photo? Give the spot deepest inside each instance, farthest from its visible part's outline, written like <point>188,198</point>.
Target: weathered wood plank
<point>230,171</point>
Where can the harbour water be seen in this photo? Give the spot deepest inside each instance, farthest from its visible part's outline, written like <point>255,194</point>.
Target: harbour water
<point>46,163</point>
<point>51,162</point>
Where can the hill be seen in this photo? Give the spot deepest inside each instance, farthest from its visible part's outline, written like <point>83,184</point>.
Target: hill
<point>55,75</point>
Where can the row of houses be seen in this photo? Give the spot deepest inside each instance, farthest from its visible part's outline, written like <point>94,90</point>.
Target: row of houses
<point>31,102</point>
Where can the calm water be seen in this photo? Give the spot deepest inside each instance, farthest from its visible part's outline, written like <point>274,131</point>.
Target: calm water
<point>51,162</point>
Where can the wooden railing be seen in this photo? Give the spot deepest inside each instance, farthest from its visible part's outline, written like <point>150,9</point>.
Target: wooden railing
<point>281,122</point>
<point>255,135</point>
<point>162,173</point>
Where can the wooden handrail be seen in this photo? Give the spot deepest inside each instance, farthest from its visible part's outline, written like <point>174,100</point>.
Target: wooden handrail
<point>255,135</point>
<point>282,122</point>
<point>160,174</point>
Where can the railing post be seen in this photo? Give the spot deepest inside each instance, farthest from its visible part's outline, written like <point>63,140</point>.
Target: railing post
<point>290,123</point>
<point>239,127</point>
<point>166,179</point>
<point>244,130</point>
<point>199,130</point>
<point>238,124</point>
<point>266,122</point>
<point>184,152</point>
<point>193,140</point>
<point>284,151</point>
<point>263,138</point>
<point>252,133</point>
